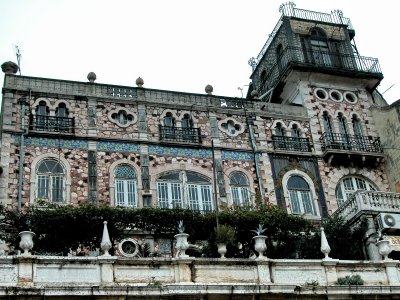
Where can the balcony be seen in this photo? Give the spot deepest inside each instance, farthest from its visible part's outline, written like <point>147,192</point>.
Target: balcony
<point>291,143</point>
<point>355,148</point>
<point>325,62</point>
<point>368,202</point>
<point>52,124</point>
<point>180,135</point>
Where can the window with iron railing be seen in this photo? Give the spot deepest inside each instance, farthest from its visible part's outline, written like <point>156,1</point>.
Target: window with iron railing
<point>52,124</point>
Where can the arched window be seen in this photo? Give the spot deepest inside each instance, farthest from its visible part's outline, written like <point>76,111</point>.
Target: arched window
<point>125,186</point>
<point>279,57</point>
<point>301,201</point>
<point>50,185</point>
<point>344,136</point>
<point>42,113</point>
<point>279,130</point>
<point>240,189</point>
<point>348,185</point>
<point>319,47</point>
<point>357,127</point>
<point>62,111</point>
<point>169,120</point>
<point>263,76</point>
<point>173,188</point>
<point>295,131</point>
<point>62,122</point>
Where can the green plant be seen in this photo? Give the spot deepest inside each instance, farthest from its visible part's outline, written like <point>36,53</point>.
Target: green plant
<point>181,228</point>
<point>224,234</point>
<point>350,280</point>
<point>260,230</point>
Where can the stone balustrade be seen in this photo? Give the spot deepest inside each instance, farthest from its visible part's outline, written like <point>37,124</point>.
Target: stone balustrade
<point>125,93</point>
<point>368,202</point>
<point>144,277</point>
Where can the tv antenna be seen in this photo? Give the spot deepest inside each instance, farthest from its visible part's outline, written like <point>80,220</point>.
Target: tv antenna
<point>18,54</point>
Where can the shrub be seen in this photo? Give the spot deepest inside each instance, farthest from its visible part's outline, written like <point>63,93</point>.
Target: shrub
<point>350,280</point>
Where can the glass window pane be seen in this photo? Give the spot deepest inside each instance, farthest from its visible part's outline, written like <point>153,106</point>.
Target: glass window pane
<point>307,202</point>
<point>193,197</point>
<point>206,198</point>
<point>119,192</point>
<point>43,187</point>
<point>176,195</point>
<point>298,183</point>
<point>294,202</point>
<point>162,194</point>
<point>125,171</point>
<point>57,189</point>
<point>131,193</point>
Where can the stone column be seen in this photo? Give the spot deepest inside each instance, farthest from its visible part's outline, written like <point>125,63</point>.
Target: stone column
<point>330,270</point>
<point>264,276</point>
<point>106,269</point>
<point>142,122</point>
<point>214,129</point>
<point>392,272</point>
<point>25,270</point>
<point>182,270</point>
<point>92,118</point>
<point>371,236</point>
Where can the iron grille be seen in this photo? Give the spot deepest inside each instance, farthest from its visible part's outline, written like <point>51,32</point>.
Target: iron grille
<point>291,143</point>
<point>338,141</point>
<point>321,59</point>
<point>175,134</point>
<point>52,124</point>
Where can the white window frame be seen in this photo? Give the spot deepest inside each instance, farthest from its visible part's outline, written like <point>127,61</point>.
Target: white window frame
<point>313,195</point>
<point>182,194</point>
<point>356,183</point>
<point>125,192</point>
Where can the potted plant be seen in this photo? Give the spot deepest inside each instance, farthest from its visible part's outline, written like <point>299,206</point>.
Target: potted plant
<point>224,234</point>
<point>181,241</point>
<point>26,235</point>
<point>259,241</point>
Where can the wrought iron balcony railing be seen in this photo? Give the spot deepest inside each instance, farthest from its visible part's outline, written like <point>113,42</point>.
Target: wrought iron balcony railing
<point>296,56</point>
<point>358,143</point>
<point>52,124</point>
<point>183,135</point>
<point>291,143</point>
<point>368,202</point>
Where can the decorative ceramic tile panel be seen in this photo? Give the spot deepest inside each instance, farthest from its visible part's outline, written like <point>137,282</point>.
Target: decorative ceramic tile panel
<point>56,143</point>
<point>236,155</point>
<point>175,151</point>
<point>117,146</point>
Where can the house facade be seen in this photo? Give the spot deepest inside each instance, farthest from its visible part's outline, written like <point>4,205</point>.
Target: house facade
<point>304,138</point>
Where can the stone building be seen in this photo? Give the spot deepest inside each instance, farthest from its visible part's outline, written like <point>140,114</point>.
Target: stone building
<point>304,137</point>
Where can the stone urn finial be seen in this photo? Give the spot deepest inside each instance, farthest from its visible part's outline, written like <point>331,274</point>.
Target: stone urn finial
<point>9,67</point>
<point>254,94</point>
<point>139,82</point>
<point>92,77</point>
<point>325,249</point>
<point>105,241</point>
<point>209,89</point>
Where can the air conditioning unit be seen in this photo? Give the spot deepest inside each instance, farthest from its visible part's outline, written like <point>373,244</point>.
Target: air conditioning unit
<point>388,221</point>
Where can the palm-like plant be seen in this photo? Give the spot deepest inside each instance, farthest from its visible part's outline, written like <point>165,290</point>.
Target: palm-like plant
<point>260,230</point>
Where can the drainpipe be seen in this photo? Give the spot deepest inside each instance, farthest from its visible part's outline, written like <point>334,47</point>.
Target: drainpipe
<point>215,183</point>
<point>22,102</point>
<point>249,122</point>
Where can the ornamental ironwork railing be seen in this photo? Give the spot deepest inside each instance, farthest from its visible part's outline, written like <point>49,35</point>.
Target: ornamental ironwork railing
<point>338,141</point>
<point>291,143</point>
<point>368,201</point>
<point>184,135</point>
<point>52,124</point>
<point>333,61</point>
<point>289,10</point>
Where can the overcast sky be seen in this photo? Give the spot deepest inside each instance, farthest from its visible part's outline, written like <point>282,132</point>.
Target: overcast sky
<point>174,45</point>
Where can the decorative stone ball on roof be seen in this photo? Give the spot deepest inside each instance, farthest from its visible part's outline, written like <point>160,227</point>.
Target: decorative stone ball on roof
<point>9,67</point>
<point>91,76</point>
<point>209,89</point>
<point>254,94</point>
<point>139,81</point>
